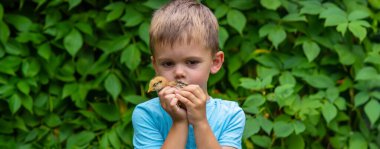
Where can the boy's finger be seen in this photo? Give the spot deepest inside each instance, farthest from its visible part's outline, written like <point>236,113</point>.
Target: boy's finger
<point>184,100</point>
<point>196,91</point>
<point>188,95</point>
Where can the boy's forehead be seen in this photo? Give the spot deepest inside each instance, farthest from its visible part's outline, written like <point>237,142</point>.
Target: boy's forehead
<point>182,49</point>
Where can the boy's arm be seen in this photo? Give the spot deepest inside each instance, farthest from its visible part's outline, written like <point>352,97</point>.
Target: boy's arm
<point>177,136</point>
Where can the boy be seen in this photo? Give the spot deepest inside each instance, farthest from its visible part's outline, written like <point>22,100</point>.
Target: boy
<point>184,46</point>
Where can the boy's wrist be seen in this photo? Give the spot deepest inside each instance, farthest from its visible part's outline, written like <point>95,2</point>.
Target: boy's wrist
<point>201,125</point>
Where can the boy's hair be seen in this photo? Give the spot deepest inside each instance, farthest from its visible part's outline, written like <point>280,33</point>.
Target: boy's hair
<point>184,21</point>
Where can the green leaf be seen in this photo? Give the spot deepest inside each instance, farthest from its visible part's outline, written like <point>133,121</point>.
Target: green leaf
<point>342,28</point>
<point>311,7</point>
<point>107,111</point>
<point>333,15</point>
<point>44,50</point>
<point>332,93</point>
<point>329,112</point>
<point>254,100</point>
<point>113,85</point>
<point>299,127</point>
<point>1,11</point>
<point>221,11</point>
<point>265,124</point>
<point>114,139</point>
<point>144,32</point>
<point>319,81</point>
<point>295,142</point>
<point>262,141</point>
<point>292,17</point>
<point>236,20</point>
<point>73,3</point>
<point>277,35</point>
<point>372,110</point>
<point>311,50</point>
<point>155,4</point>
<point>357,141</point>
<point>27,102</point>
<point>346,56</point>
<point>53,120</point>
<point>134,99</point>
<point>251,127</point>
<point>14,103</point>
<point>117,9</point>
<point>131,56</point>
<point>20,22</point>
<point>132,17</point>
<point>240,4</point>
<point>271,4</point>
<point>80,140</point>
<point>357,15</point>
<point>4,32</point>
<point>287,78</point>
<point>366,73</point>
<point>223,36</point>
<point>84,27</point>
<point>284,91</point>
<point>52,18</point>
<point>30,67</point>
<point>23,87</point>
<point>73,42</point>
<point>69,89</point>
<point>282,129</point>
<point>357,28</point>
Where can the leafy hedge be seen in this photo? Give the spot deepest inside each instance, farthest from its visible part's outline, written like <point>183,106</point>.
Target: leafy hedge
<point>307,73</point>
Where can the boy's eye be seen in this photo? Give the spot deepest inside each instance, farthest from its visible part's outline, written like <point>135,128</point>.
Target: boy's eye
<point>192,62</point>
<point>167,64</point>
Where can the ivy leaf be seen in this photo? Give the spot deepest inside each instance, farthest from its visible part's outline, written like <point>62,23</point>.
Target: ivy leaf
<point>144,32</point>
<point>361,98</point>
<point>132,17</point>
<point>346,56</point>
<point>73,42</point>
<point>107,111</point>
<point>299,127</point>
<point>4,32</point>
<point>262,141</point>
<point>251,127</point>
<point>372,110</point>
<point>20,22</point>
<point>333,15</point>
<point>342,28</point>
<point>30,67</point>
<point>311,7</point>
<point>319,81</point>
<point>23,87</point>
<point>134,99</point>
<point>358,29</point>
<point>131,56</point>
<point>357,141</point>
<point>277,35</point>
<point>357,15</point>
<point>113,85</point>
<point>80,139</point>
<point>329,112</point>
<point>155,4</point>
<point>236,20</point>
<point>116,9</point>
<point>311,50</point>
<point>223,36</point>
<point>221,11</point>
<point>282,129</point>
<point>366,73</point>
<point>14,103</point>
<point>332,93</point>
<point>271,4</point>
<point>240,4</point>
<point>73,3</point>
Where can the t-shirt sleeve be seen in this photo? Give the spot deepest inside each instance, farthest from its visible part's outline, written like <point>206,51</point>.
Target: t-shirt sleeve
<point>146,133</point>
<point>233,132</point>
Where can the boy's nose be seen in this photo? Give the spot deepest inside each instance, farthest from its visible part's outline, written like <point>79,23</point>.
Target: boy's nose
<point>179,72</point>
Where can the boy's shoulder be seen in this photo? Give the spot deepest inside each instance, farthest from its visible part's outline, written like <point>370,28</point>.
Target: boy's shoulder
<point>225,105</point>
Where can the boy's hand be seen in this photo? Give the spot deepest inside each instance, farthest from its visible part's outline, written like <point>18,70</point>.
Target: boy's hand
<point>169,102</point>
<point>193,97</point>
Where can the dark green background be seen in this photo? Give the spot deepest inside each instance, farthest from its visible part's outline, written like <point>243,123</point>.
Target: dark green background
<point>305,72</point>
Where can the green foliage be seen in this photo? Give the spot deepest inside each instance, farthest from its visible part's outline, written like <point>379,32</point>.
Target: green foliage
<point>305,72</point>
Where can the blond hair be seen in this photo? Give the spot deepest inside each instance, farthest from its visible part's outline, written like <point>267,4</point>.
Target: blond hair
<point>185,22</point>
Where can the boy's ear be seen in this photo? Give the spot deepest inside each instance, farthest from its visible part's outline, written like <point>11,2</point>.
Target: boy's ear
<point>217,62</point>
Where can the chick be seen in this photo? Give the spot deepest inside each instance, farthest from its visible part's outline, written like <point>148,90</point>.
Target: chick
<point>159,82</point>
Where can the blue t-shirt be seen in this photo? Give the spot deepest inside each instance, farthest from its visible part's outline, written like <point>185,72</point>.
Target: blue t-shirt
<point>152,123</point>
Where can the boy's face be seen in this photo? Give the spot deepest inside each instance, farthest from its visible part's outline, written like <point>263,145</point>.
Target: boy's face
<point>191,63</point>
